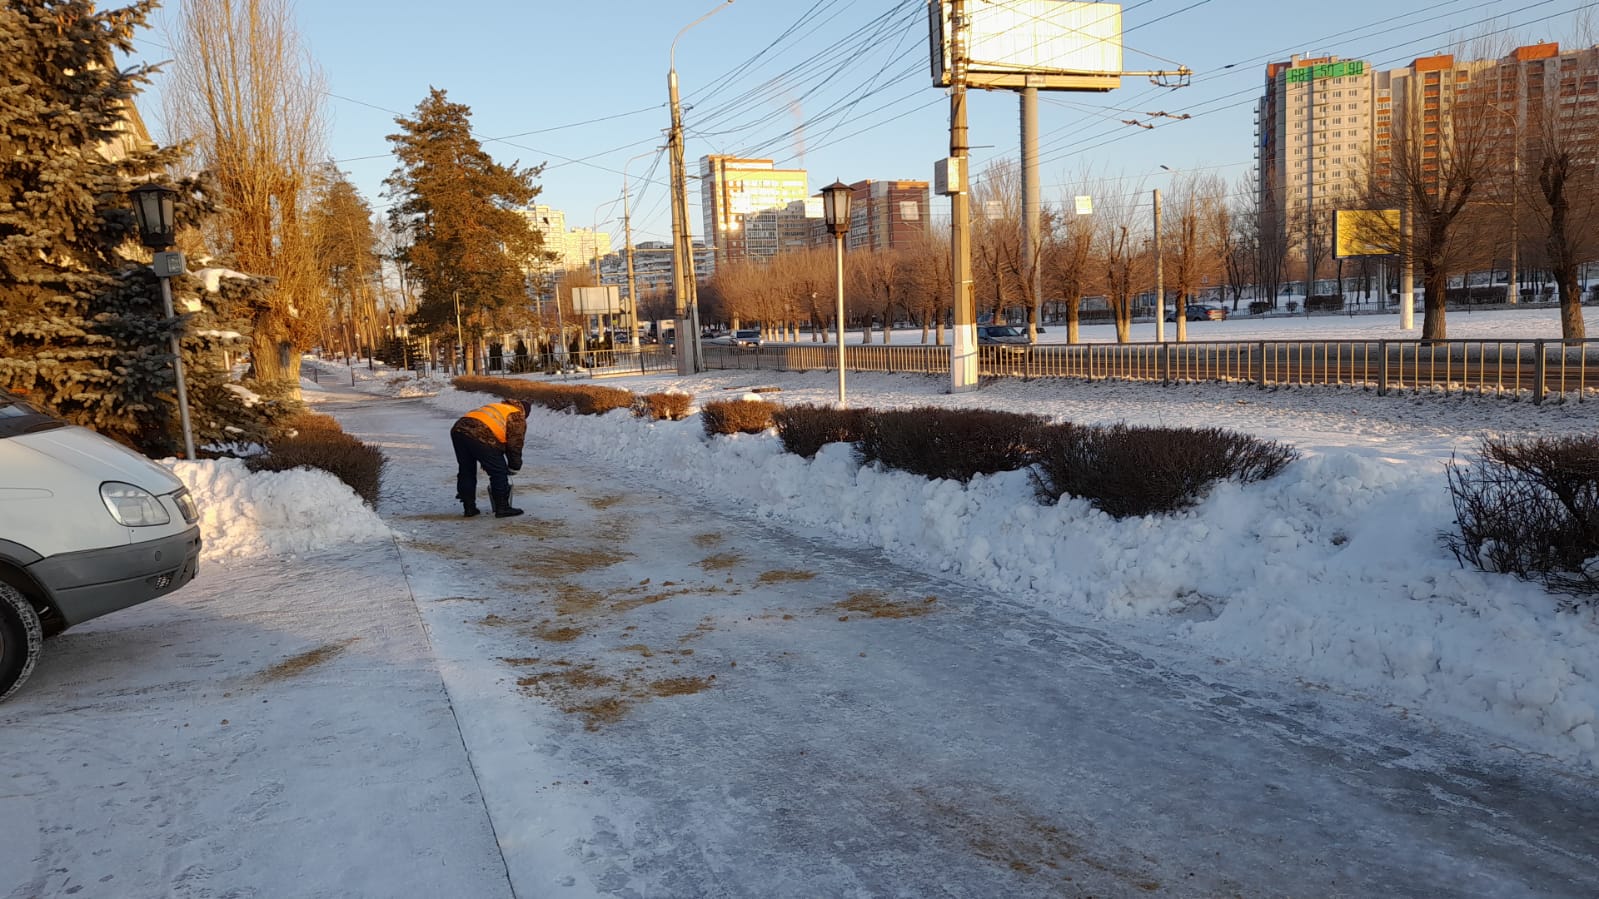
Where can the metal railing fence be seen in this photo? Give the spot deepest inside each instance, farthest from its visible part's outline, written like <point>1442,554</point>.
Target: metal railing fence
<point>1535,368</point>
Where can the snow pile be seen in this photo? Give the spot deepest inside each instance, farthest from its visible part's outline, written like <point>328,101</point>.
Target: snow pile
<point>245,514</point>
<point>1333,571</point>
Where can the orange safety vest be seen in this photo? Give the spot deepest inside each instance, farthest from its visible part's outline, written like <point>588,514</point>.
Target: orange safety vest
<point>496,415</point>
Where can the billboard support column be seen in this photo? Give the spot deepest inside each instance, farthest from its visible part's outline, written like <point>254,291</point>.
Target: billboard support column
<point>963,340</point>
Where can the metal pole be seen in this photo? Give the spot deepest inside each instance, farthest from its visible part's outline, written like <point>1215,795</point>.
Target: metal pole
<point>627,239</point>
<point>963,343</point>
<point>177,367</point>
<point>460,336</point>
<point>1031,269</point>
<point>1160,277</point>
<point>838,254</point>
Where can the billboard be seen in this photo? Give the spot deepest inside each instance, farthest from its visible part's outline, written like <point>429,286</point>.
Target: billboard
<point>597,300</point>
<point>1047,44</point>
<point>1365,232</point>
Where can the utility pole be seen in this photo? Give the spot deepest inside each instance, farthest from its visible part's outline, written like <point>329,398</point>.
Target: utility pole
<point>1160,277</point>
<point>683,281</point>
<point>1032,270</point>
<point>627,240</point>
<point>963,343</point>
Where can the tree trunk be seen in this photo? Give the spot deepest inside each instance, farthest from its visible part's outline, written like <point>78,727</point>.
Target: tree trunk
<point>1073,307</point>
<point>1435,285</point>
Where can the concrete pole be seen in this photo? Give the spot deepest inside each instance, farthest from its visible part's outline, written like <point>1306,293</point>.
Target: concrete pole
<point>682,246</point>
<point>1032,270</point>
<point>1160,276</point>
<point>963,342</point>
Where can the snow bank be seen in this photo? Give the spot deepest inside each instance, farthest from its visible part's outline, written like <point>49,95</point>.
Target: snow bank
<point>246,515</point>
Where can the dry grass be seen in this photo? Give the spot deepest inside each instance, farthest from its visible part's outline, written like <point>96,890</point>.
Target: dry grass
<point>558,634</point>
<point>707,540</point>
<point>604,502</point>
<point>873,604</point>
<point>296,665</point>
<point>539,528</point>
<point>681,686</point>
<point>566,563</point>
<point>447,550</point>
<point>570,599</point>
<point>720,561</point>
<point>779,576</point>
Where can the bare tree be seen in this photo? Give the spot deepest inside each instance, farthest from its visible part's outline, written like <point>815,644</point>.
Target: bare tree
<point>1194,246</point>
<point>251,100</point>
<point>997,241</point>
<point>1068,253</point>
<point>1435,164</point>
<point>1561,161</point>
<point>927,276</point>
<point>1119,231</point>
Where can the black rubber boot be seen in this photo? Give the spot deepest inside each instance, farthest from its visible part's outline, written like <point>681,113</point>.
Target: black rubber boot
<point>502,505</point>
<point>469,509</point>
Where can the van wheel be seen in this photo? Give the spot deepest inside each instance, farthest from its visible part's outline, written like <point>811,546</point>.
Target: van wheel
<point>20,639</point>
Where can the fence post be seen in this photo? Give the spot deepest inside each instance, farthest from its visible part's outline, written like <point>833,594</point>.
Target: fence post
<point>1382,368</point>
<point>1165,363</point>
<point>1537,372</point>
<point>1260,381</point>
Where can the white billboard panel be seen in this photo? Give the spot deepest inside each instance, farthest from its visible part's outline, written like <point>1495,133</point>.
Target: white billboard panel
<point>597,300</point>
<point>1047,44</point>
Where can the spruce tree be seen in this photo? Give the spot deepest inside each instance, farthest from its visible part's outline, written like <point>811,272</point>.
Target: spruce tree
<point>83,331</point>
<point>462,210</point>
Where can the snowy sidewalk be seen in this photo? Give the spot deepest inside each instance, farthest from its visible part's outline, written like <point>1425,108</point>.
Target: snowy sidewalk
<point>663,697</point>
<point>276,728</point>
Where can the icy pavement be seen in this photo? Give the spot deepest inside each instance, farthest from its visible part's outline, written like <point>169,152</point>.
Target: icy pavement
<point>663,697</point>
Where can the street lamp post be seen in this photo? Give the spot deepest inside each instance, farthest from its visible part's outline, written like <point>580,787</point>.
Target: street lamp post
<point>153,210</point>
<point>835,212</point>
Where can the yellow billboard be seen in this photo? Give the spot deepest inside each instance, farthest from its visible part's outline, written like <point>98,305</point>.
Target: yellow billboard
<point>1365,232</point>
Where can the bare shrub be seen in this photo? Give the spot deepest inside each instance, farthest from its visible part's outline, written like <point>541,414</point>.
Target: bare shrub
<point>664,406</point>
<point>1126,471</point>
<point>329,449</point>
<point>583,399</point>
<point>957,444</point>
<point>1531,509</point>
<point>805,428</point>
<point>737,416</point>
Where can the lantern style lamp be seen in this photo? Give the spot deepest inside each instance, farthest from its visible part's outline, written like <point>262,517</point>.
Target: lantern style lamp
<point>152,207</point>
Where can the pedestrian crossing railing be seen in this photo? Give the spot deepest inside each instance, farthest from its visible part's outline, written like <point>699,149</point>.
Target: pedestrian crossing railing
<point>1525,368</point>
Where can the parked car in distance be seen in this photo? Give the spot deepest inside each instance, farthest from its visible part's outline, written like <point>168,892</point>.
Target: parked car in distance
<point>747,338</point>
<point>1198,312</point>
<point>1012,340</point>
<point>87,527</point>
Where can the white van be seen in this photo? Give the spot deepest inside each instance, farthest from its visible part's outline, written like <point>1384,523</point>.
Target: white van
<point>87,526</point>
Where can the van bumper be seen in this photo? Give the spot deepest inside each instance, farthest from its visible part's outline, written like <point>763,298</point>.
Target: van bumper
<point>88,584</point>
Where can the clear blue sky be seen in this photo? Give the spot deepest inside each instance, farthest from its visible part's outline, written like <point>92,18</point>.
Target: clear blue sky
<point>846,94</point>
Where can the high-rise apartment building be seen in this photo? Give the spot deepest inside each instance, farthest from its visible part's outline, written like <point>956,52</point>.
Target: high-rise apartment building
<point>1324,125</point>
<point>573,248</point>
<point>752,209</point>
<point>1314,134</point>
<point>886,215</point>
